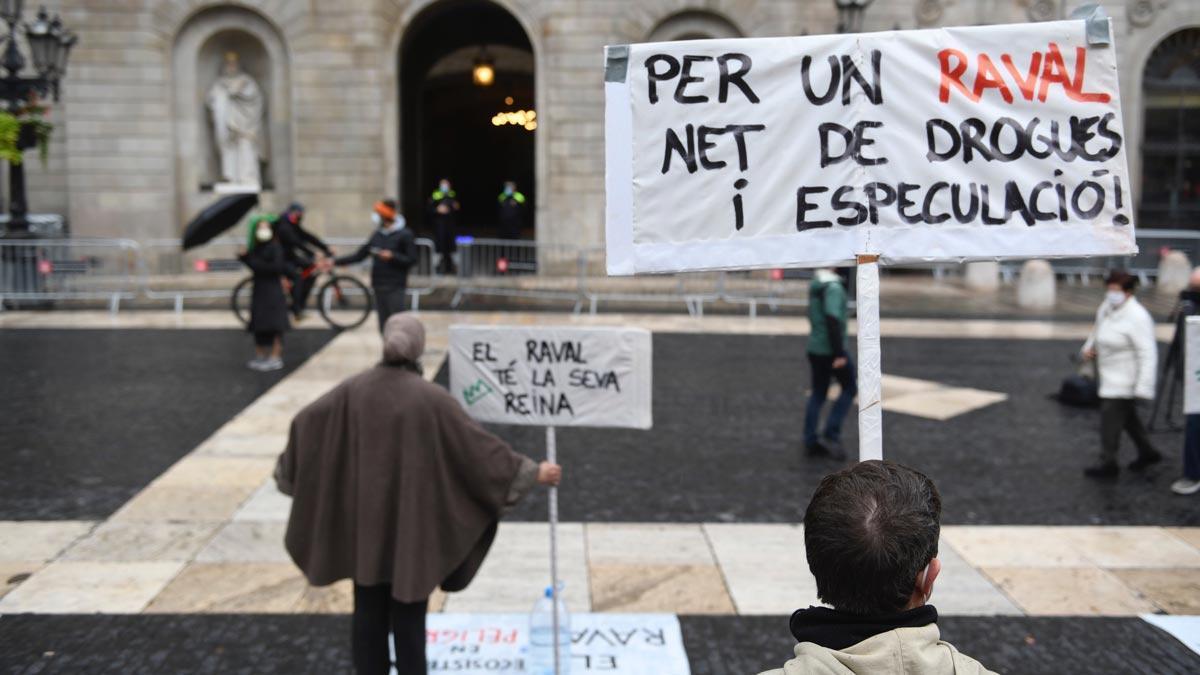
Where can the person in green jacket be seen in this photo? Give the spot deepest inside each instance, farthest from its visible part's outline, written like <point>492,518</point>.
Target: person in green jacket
<point>828,360</point>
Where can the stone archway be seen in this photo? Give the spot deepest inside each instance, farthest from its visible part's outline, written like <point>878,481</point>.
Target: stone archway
<point>1170,194</point>
<point>197,54</point>
<point>445,120</point>
<point>693,24</point>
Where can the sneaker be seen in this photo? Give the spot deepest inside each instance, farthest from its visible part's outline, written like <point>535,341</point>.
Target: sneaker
<point>1107,470</point>
<point>815,448</point>
<point>256,363</point>
<point>272,364</point>
<point>1144,461</point>
<point>1185,486</point>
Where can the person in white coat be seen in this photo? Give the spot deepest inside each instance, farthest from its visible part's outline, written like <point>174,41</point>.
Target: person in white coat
<point>1126,353</point>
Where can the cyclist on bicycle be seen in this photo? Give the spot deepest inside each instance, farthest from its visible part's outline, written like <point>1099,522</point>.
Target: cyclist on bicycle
<point>298,245</point>
<point>393,248</point>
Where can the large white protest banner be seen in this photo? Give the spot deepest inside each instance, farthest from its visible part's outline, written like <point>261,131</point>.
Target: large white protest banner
<point>972,143</point>
<point>1191,366</point>
<point>482,644</point>
<point>553,376</point>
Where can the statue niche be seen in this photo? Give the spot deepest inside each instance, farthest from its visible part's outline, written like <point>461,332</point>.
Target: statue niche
<point>236,105</point>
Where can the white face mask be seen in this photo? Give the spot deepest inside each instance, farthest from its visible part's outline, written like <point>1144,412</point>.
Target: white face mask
<point>1115,298</point>
<point>377,219</point>
<point>263,233</point>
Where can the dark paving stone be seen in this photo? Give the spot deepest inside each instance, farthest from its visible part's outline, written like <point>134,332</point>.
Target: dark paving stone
<point>92,416</point>
<point>1025,645</point>
<point>727,645</point>
<point>194,643</point>
<point>728,417</point>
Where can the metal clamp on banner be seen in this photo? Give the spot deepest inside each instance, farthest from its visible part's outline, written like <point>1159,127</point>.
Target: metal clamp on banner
<point>616,63</point>
<point>1096,24</point>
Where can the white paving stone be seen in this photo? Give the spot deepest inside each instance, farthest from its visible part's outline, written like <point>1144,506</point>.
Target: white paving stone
<point>518,569</point>
<point>247,541</point>
<point>764,566</point>
<point>38,540</point>
<point>267,503</point>
<point>78,587</point>
<point>962,590</point>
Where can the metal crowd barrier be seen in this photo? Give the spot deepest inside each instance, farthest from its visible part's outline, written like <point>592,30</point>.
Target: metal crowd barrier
<point>42,270</point>
<point>168,273</point>
<point>519,268</point>
<point>119,270</point>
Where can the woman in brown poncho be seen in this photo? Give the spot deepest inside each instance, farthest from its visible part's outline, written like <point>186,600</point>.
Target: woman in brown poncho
<point>395,487</point>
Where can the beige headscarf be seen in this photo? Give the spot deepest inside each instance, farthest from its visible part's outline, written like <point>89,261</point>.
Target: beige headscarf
<point>403,338</point>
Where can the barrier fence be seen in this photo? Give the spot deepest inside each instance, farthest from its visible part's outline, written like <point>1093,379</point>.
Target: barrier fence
<point>120,270</point>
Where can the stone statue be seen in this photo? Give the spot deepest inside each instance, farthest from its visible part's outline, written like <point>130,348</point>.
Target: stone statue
<point>236,103</point>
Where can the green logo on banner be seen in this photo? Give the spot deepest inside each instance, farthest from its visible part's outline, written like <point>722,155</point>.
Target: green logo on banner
<point>476,391</point>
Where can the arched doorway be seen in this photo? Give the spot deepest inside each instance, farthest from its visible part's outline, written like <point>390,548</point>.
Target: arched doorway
<point>693,24</point>
<point>1170,194</point>
<point>451,126</point>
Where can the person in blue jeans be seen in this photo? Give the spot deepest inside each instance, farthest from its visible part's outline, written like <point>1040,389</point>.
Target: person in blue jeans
<point>828,313</point>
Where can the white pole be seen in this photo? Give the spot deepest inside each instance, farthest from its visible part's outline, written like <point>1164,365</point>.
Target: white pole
<point>552,456</point>
<point>870,373</point>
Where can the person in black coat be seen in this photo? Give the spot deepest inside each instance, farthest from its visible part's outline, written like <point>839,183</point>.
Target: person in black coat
<point>301,248</point>
<point>394,250</point>
<point>268,305</point>
<point>510,211</point>
<point>443,212</point>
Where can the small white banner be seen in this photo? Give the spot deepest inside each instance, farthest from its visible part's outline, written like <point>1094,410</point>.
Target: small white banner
<point>482,644</point>
<point>976,143</point>
<point>552,376</point>
<point>1191,367</point>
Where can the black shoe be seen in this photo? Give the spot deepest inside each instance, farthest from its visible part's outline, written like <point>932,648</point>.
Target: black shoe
<point>1144,461</point>
<point>833,449</point>
<point>1106,470</point>
<point>816,449</point>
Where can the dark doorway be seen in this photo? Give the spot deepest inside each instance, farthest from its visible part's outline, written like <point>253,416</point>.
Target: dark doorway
<point>452,127</point>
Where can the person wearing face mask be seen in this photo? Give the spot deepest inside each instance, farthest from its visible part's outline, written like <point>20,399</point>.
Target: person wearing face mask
<point>871,540</point>
<point>1125,349</point>
<point>268,305</point>
<point>510,211</point>
<point>443,212</point>
<point>393,249</point>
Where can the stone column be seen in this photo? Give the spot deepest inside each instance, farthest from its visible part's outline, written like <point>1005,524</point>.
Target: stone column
<point>982,276</point>
<point>1173,272</point>
<point>1036,286</point>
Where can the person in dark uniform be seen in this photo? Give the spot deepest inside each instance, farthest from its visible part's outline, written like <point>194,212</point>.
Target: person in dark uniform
<point>394,251</point>
<point>510,211</point>
<point>298,244</point>
<point>443,212</point>
<point>264,255</point>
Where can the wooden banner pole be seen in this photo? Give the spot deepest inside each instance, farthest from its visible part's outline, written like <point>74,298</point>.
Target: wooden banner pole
<point>870,372</point>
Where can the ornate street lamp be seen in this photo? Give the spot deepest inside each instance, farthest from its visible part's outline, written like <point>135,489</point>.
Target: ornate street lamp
<point>49,48</point>
<point>850,15</point>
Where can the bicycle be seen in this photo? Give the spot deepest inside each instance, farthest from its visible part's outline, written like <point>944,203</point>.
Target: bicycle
<point>343,301</point>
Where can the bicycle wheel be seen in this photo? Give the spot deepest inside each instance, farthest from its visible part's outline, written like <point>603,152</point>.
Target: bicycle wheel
<point>345,302</point>
<point>240,300</point>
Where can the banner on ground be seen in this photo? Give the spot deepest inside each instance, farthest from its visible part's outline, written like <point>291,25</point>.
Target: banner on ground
<point>552,376</point>
<point>1191,366</point>
<point>975,143</point>
<point>484,644</point>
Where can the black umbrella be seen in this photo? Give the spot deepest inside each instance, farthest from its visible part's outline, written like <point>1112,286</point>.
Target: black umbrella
<point>218,217</point>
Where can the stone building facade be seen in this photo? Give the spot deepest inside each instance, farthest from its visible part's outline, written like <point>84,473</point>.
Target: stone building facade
<point>131,155</point>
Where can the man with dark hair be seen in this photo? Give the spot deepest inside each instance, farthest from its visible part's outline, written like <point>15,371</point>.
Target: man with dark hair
<point>871,537</point>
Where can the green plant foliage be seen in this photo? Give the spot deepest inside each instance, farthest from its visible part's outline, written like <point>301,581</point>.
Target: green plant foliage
<point>10,134</point>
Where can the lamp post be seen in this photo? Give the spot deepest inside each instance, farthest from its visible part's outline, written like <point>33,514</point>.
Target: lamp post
<point>850,15</point>
<point>49,48</point>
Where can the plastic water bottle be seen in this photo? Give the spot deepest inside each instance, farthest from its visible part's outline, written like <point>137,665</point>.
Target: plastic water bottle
<point>541,636</point>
